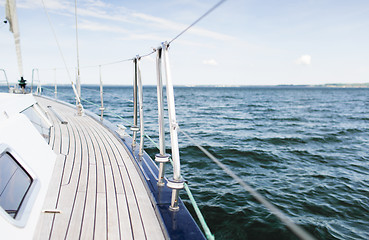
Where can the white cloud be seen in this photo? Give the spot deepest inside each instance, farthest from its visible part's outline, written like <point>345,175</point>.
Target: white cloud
<point>60,5</point>
<point>97,9</point>
<point>304,60</point>
<point>95,26</point>
<point>166,24</point>
<point>211,62</point>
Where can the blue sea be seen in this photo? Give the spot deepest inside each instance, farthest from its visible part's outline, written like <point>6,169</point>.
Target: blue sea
<point>305,149</point>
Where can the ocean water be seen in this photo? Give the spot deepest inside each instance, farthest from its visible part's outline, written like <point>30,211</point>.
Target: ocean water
<point>305,149</point>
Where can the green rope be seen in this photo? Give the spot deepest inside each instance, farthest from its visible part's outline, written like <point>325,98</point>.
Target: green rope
<point>92,103</point>
<point>151,140</point>
<point>199,215</point>
<point>52,90</point>
<point>201,218</point>
<point>47,89</point>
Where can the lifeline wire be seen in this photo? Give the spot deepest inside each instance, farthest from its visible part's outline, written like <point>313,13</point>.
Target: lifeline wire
<point>120,61</point>
<point>124,60</point>
<point>110,63</point>
<point>299,231</point>
<point>198,20</point>
<point>107,93</point>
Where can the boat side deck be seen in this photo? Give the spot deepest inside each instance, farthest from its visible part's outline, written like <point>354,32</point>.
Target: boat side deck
<point>96,191</point>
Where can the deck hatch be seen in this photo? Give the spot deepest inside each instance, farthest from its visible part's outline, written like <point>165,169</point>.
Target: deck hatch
<point>15,183</point>
<point>35,115</point>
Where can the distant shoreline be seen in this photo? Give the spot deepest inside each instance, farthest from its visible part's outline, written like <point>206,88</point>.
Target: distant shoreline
<point>330,85</point>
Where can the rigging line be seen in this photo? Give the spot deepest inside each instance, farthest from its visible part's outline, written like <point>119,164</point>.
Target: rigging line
<point>125,60</point>
<point>61,52</point>
<point>107,93</point>
<point>57,42</point>
<point>115,62</point>
<point>299,231</point>
<point>110,63</point>
<point>49,69</point>
<point>198,20</point>
<point>120,61</point>
<point>77,49</point>
<point>146,55</point>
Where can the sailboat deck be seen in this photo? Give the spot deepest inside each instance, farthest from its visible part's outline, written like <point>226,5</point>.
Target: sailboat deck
<point>96,191</point>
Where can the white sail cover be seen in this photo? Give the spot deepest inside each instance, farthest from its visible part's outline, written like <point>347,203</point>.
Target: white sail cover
<point>11,16</point>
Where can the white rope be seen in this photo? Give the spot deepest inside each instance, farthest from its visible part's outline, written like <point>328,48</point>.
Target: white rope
<point>300,232</point>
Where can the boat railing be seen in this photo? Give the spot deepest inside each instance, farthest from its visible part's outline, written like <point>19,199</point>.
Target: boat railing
<point>163,71</point>
<point>176,182</point>
<point>5,78</point>
<point>36,79</point>
<point>101,95</point>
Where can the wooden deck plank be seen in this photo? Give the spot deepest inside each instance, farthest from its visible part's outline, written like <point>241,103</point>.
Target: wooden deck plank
<point>125,224</point>
<point>152,228</point>
<point>88,222</point>
<point>75,157</point>
<point>119,191</point>
<point>83,181</point>
<point>137,228</point>
<point>100,175</point>
<point>76,221</point>
<point>101,187</point>
<point>68,192</point>
<point>46,222</point>
<point>112,208</point>
<point>113,156</point>
<point>89,142</point>
<point>100,227</point>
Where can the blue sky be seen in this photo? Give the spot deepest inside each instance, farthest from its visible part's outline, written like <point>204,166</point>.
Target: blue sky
<point>240,43</point>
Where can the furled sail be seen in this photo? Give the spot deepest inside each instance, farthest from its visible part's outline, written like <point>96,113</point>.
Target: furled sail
<point>11,16</point>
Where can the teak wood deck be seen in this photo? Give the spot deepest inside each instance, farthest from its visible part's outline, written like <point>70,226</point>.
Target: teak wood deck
<point>96,191</point>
